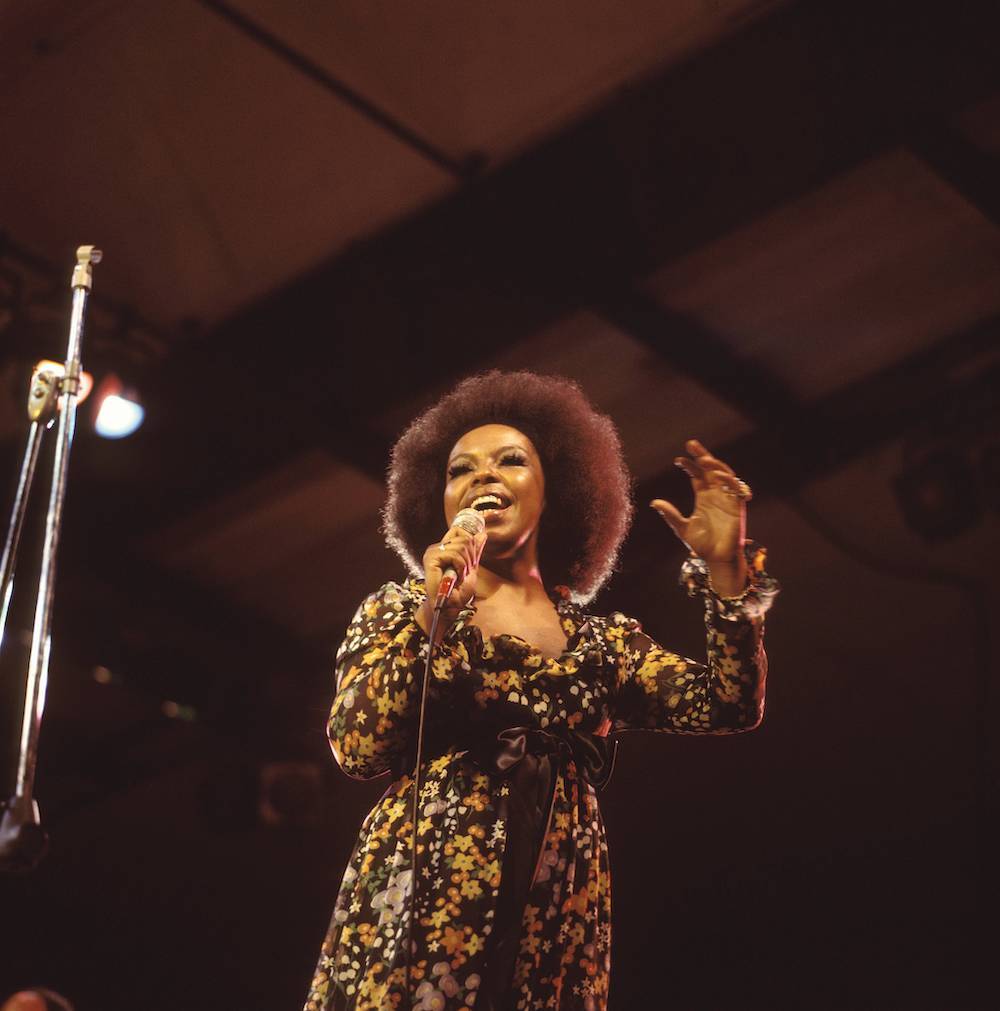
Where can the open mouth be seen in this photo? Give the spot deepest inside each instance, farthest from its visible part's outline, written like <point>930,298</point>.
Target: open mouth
<point>490,502</point>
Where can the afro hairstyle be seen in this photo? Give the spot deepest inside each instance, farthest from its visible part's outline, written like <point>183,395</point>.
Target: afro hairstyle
<point>588,488</point>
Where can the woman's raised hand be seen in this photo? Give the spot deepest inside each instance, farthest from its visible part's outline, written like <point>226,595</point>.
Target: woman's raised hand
<point>717,525</point>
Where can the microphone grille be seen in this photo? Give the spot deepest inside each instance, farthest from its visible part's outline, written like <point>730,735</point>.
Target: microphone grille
<point>470,521</point>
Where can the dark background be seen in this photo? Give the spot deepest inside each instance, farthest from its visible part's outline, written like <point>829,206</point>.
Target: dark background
<point>772,226</point>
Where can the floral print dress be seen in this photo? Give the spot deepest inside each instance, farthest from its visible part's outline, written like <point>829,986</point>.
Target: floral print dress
<point>513,890</point>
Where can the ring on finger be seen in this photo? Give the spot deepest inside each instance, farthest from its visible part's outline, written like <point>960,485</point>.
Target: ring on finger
<point>742,491</point>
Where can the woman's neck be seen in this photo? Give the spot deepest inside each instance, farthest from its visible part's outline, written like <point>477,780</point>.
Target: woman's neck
<point>518,575</point>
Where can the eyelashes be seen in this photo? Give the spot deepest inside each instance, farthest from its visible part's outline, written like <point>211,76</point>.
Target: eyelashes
<point>508,459</point>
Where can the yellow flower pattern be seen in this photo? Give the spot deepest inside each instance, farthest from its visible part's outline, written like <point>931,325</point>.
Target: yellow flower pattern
<point>612,675</point>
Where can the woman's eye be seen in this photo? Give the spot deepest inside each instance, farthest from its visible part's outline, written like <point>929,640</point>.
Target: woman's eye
<point>513,458</point>
<point>456,469</point>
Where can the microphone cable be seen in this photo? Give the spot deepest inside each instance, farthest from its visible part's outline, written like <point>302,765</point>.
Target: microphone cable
<point>471,522</point>
<point>415,807</point>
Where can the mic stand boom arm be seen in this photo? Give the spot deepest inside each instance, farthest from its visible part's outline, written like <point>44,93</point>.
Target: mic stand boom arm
<point>53,394</point>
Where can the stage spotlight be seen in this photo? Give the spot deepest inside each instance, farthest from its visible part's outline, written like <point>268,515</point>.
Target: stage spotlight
<point>118,417</point>
<point>938,495</point>
<point>117,411</point>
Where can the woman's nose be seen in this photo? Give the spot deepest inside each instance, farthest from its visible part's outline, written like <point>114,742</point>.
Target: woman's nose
<point>485,474</point>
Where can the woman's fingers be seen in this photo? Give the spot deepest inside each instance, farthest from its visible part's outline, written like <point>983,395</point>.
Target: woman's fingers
<point>438,558</point>
<point>691,468</point>
<point>706,470</point>
<point>458,550</point>
<point>462,541</point>
<point>733,484</point>
<point>451,559</point>
<point>472,549</point>
<point>704,458</point>
<point>672,516</point>
<point>478,544</point>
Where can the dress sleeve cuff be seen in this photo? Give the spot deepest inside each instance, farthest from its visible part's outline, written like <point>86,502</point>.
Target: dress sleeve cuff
<point>449,652</point>
<point>755,599</point>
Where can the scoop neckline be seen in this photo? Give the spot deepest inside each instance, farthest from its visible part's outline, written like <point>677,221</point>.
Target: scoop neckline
<point>565,608</point>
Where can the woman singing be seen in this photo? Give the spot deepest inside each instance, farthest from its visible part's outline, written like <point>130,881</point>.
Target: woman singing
<point>512,894</point>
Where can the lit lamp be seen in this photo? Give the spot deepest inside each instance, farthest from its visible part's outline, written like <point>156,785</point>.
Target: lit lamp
<point>117,412</point>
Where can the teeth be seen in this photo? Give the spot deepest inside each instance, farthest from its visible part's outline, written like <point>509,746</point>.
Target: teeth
<point>485,502</point>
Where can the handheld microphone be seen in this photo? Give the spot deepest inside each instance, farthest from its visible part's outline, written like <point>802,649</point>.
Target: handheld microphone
<point>471,522</point>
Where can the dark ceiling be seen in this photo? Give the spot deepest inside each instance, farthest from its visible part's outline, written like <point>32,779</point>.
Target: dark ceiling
<point>773,226</point>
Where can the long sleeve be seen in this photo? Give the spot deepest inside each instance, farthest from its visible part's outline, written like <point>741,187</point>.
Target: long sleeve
<point>660,690</point>
<point>379,670</point>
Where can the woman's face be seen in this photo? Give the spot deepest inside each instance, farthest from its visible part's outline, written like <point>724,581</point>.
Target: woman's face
<point>495,470</point>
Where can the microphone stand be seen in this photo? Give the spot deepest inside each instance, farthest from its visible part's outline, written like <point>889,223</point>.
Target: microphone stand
<point>53,394</point>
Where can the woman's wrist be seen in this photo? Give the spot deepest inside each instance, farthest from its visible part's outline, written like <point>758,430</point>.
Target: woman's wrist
<point>728,579</point>
<point>755,589</point>
<point>424,616</point>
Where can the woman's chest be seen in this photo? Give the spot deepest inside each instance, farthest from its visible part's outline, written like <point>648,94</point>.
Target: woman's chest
<point>540,627</point>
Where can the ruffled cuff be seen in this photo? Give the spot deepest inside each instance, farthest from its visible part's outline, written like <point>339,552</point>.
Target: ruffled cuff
<point>752,603</point>
<point>450,652</point>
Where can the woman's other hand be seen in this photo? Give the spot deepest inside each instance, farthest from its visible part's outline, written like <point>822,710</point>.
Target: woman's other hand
<point>716,528</point>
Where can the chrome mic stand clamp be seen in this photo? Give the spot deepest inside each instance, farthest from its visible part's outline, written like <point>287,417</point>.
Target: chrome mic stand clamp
<point>52,398</point>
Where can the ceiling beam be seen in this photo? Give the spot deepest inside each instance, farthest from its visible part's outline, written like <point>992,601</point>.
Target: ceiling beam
<point>833,431</point>
<point>691,348</point>
<point>666,166</point>
<point>460,169</point>
<point>968,169</point>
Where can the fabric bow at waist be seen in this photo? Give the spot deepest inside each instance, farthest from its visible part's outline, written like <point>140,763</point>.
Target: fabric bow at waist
<point>501,752</point>
<point>592,755</point>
